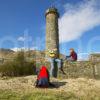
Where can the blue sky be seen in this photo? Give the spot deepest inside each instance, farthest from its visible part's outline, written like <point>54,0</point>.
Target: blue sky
<point>22,24</point>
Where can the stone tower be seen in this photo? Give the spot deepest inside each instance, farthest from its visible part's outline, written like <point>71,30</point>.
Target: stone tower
<point>52,31</point>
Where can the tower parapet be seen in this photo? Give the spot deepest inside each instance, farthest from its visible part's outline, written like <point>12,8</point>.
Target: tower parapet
<point>52,10</point>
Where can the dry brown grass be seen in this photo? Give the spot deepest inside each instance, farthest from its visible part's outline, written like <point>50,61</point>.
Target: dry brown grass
<point>72,89</point>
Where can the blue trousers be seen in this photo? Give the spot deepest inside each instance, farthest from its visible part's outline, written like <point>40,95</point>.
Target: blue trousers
<point>59,65</point>
<point>69,58</point>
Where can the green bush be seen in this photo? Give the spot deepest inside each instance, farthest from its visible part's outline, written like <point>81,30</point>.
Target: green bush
<point>18,67</point>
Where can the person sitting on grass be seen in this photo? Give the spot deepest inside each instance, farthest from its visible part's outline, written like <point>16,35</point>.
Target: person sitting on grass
<point>43,79</point>
<point>72,56</point>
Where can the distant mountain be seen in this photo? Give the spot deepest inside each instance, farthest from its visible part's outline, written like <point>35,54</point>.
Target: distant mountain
<point>8,53</point>
<point>32,54</point>
<point>5,52</point>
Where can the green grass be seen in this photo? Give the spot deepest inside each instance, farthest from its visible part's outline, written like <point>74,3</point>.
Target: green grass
<point>36,95</point>
<point>44,95</point>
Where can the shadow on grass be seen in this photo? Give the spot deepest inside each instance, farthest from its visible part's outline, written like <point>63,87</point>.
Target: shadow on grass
<point>59,84</point>
<point>53,85</point>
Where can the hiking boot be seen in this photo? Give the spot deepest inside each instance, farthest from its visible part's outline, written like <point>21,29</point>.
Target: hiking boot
<point>62,71</point>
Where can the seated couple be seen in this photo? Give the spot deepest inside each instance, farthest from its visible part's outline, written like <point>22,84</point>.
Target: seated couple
<point>52,59</point>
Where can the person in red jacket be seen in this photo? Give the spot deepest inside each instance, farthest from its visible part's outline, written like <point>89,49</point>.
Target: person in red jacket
<point>43,78</point>
<point>72,56</point>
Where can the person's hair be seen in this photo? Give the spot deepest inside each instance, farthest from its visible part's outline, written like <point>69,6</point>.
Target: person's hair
<point>72,49</point>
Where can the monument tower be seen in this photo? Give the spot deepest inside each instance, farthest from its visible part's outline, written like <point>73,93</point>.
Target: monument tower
<point>52,31</point>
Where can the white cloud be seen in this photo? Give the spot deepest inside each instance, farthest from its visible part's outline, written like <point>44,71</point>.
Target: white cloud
<point>21,38</point>
<point>23,48</point>
<point>25,37</point>
<point>78,19</point>
<point>17,49</point>
<point>83,56</point>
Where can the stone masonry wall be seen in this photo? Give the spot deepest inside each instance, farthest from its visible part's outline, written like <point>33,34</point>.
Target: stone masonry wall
<point>84,69</point>
<point>80,69</point>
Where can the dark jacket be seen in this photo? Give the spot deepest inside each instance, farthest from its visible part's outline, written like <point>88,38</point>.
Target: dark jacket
<point>73,55</point>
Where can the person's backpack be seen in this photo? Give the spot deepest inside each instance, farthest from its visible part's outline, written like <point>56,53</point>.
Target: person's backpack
<point>43,78</point>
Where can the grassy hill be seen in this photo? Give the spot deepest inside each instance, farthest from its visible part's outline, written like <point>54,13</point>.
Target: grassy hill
<point>35,55</point>
<point>8,53</point>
